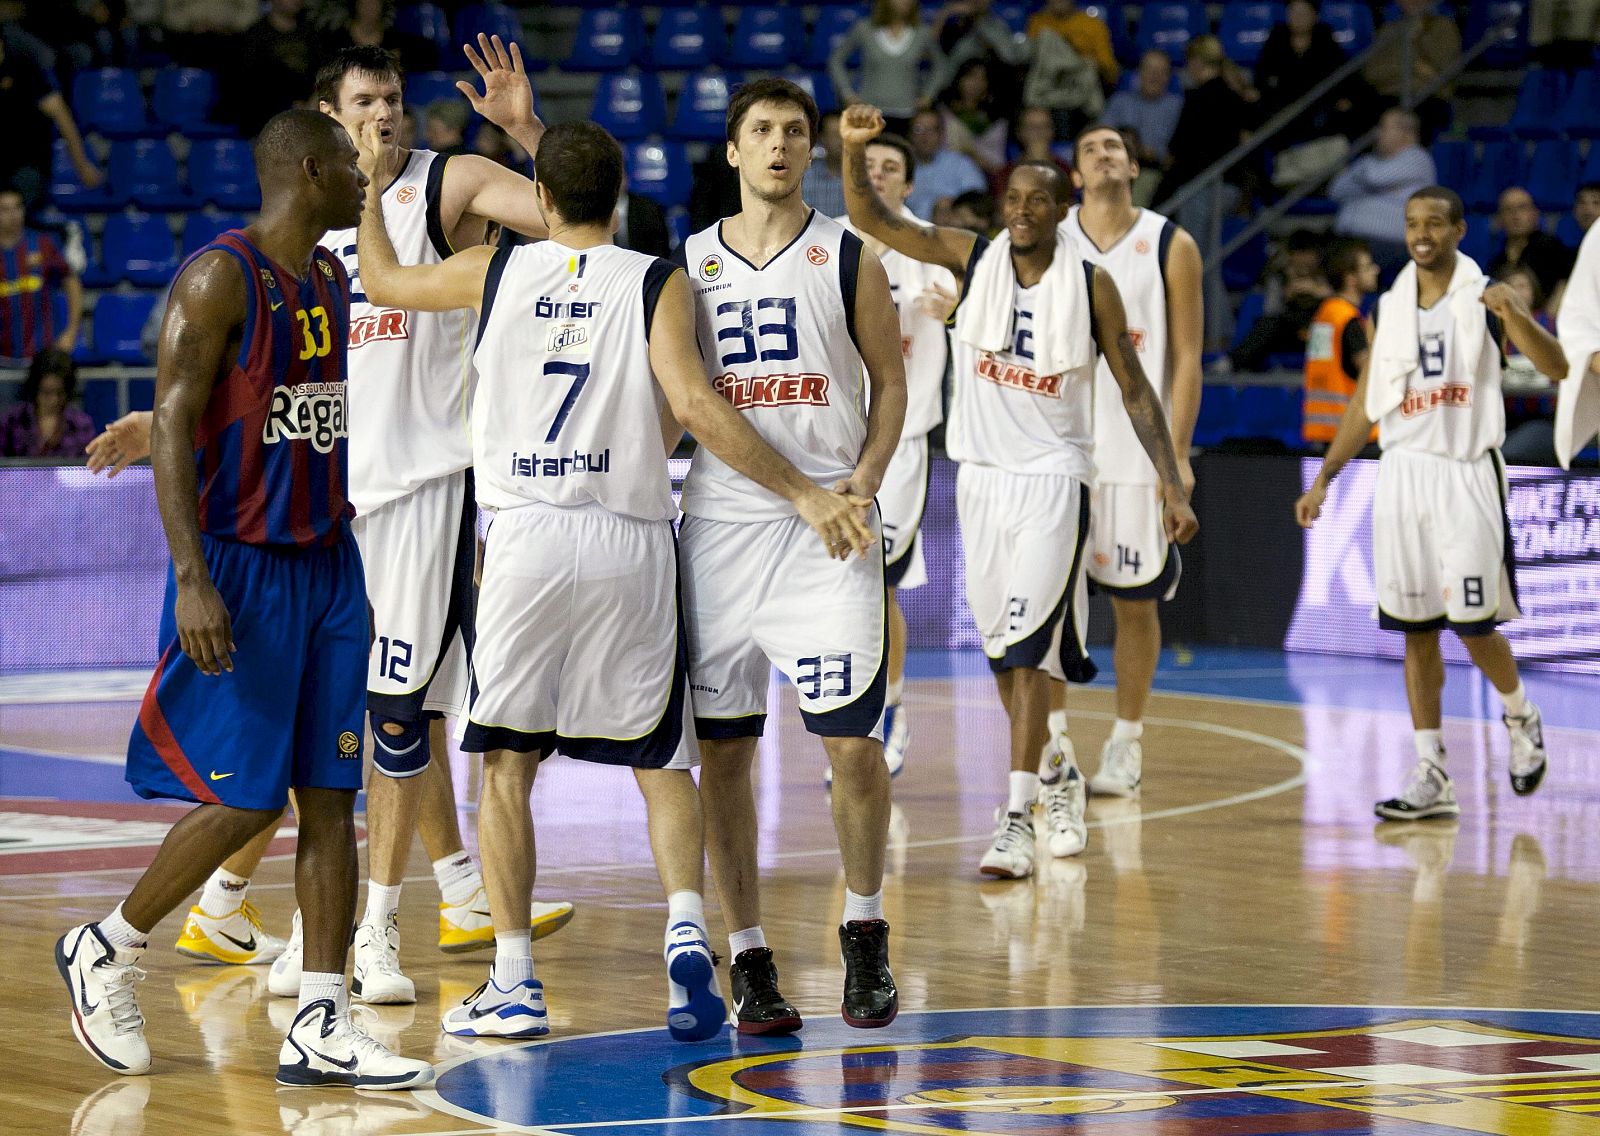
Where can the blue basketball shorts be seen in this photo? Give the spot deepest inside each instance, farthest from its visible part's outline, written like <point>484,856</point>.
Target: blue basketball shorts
<point>289,714</point>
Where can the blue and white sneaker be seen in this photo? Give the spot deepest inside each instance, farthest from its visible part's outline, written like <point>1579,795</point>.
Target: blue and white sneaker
<point>493,1012</point>
<point>322,1048</point>
<point>695,1009</point>
<point>105,1015</point>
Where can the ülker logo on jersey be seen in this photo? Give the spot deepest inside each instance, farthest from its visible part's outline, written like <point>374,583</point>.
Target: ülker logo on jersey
<point>1018,377</point>
<point>772,390</point>
<point>711,267</point>
<point>1421,402</point>
<point>313,412</point>
<point>391,323</point>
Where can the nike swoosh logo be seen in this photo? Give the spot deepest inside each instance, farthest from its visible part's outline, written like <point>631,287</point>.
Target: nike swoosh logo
<point>485,914</point>
<point>738,1006</point>
<point>275,307</point>
<point>215,776</point>
<point>249,945</point>
<point>345,1065</point>
<point>83,998</point>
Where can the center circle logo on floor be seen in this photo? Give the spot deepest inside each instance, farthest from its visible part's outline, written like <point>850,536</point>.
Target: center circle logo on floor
<point>1199,1069</point>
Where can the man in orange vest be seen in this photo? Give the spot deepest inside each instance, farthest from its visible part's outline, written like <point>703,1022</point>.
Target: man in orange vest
<point>1336,343</point>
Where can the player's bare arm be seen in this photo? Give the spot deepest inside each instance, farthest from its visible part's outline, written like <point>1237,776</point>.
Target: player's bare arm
<point>475,189</point>
<point>1139,399</point>
<point>456,282</point>
<point>1542,349</point>
<point>120,444</point>
<point>946,247</point>
<point>1348,441</point>
<point>878,337</point>
<point>839,519</point>
<point>1185,338</point>
<point>203,320</point>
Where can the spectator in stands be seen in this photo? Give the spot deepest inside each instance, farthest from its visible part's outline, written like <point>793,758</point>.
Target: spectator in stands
<point>1299,53</point>
<point>196,30</point>
<point>1337,341</point>
<point>338,24</point>
<point>32,272</point>
<point>281,67</point>
<point>1586,206</point>
<point>1151,111</point>
<point>34,111</point>
<point>972,122</point>
<point>1084,32</point>
<point>444,126</point>
<point>494,144</point>
<point>642,226</point>
<point>1372,190</point>
<point>823,185</point>
<point>942,174</point>
<point>973,210</point>
<point>1296,283</point>
<point>967,29</point>
<point>1563,33</point>
<point>1064,82</point>
<point>1434,48</point>
<point>1528,246</point>
<point>44,423</point>
<point>1036,140</point>
<point>901,64</point>
<point>1530,427</point>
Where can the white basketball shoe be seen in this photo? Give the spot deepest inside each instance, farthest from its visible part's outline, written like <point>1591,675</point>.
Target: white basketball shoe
<point>323,1049</point>
<point>375,975</point>
<point>105,1014</point>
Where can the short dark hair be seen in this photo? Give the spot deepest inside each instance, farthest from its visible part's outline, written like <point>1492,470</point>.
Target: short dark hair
<point>1063,188</point>
<point>290,136</point>
<point>1452,200</point>
<point>1343,259</point>
<point>1532,277</point>
<point>977,200</point>
<point>1587,187</point>
<point>581,165</point>
<point>900,146</point>
<point>772,90</point>
<point>1305,240</point>
<point>372,59</point>
<point>50,361</point>
<point>1095,128</point>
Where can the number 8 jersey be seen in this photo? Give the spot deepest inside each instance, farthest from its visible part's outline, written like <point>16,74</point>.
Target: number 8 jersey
<point>780,344</point>
<point>567,410</point>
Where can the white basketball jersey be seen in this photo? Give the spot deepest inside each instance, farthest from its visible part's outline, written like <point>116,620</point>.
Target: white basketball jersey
<point>1137,263</point>
<point>924,340</point>
<point>410,373</point>
<point>1005,416</point>
<point>568,411</point>
<point>1448,410</point>
<point>779,343</point>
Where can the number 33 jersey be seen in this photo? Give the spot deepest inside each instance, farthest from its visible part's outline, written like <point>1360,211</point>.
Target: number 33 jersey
<point>779,343</point>
<point>567,410</point>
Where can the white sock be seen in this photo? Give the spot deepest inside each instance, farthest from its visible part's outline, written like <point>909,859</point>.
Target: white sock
<point>891,697</point>
<point>686,907</point>
<point>1126,731</point>
<point>1024,791</point>
<point>1430,745</point>
<point>224,892</point>
<point>513,959</point>
<point>122,935</point>
<point>383,903</point>
<point>1516,702</point>
<point>315,987</point>
<point>457,877</point>
<point>857,907</point>
<point>1058,723</point>
<point>748,939</point>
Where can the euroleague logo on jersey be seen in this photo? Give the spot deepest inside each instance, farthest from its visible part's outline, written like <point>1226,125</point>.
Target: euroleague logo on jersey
<point>711,267</point>
<point>1141,246</point>
<point>816,254</point>
<point>407,194</point>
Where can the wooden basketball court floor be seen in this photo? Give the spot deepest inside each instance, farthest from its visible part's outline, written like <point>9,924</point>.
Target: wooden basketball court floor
<point>1244,949</point>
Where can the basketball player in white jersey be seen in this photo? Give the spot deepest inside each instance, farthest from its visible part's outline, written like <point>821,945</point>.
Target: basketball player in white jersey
<point>585,354</point>
<point>923,296</point>
<point>1157,269</point>
<point>1439,529</point>
<point>790,307</point>
<point>1025,443</point>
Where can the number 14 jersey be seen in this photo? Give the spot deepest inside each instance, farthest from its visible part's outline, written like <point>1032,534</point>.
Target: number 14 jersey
<point>779,343</point>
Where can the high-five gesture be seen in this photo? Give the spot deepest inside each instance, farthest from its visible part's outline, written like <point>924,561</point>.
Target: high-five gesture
<point>507,99</point>
<point>860,124</point>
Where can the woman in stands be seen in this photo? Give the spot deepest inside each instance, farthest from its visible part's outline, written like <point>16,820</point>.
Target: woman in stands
<point>44,423</point>
<point>901,64</point>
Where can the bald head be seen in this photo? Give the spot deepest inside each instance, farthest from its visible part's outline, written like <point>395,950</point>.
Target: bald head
<point>306,160</point>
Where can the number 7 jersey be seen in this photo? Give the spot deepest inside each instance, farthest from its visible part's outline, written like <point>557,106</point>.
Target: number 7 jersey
<point>780,344</point>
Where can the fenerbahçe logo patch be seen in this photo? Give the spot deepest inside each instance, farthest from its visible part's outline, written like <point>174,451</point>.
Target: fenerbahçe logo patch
<point>711,267</point>
<point>349,745</point>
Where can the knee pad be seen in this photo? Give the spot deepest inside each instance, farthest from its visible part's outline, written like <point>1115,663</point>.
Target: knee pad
<point>403,754</point>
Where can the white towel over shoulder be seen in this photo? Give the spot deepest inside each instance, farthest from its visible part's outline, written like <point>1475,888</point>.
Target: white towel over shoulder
<point>1396,352</point>
<point>1062,336</point>
<point>1578,329</point>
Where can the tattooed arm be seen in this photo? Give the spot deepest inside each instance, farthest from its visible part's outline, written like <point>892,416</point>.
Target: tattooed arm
<point>1139,398</point>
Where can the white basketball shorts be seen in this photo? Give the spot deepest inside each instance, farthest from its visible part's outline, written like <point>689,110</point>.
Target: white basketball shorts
<point>418,551</point>
<point>1129,554</point>
<point>579,643</point>
<point>1023,538</point>
<point>1441,544</point>
<point>765,594</point>
<point>903,497</point>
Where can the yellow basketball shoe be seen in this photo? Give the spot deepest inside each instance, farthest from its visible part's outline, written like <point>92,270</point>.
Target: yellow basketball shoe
<point>466,926</point>
<point>234,939</point>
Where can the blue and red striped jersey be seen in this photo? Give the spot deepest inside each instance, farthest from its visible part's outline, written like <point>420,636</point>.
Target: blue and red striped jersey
<point>270,449</point>
<point>32,272</point>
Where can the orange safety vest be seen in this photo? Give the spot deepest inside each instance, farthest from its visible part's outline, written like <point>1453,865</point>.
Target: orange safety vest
<point>1328,388</point>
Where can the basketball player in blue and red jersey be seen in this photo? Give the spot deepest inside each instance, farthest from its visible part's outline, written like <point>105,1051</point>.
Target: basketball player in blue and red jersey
<point>261,683</point>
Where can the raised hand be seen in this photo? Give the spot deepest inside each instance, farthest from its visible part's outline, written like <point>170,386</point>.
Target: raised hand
<point>860,124</point>
<point>507,98</point>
